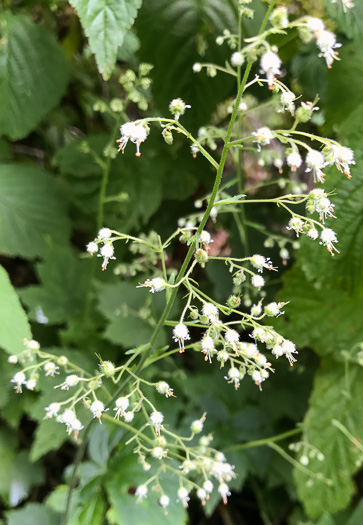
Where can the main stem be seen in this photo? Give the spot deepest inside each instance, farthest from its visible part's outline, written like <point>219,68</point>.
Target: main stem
<point>183,269</point>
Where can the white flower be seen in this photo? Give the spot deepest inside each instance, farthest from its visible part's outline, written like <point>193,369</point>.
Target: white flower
<point>224,492</point>
<point>213,213</point>
<point>202,494</point>
<point>256,310</point>
<point>163,388</point>
<point>19,379</point>
<point>156,419</point>
<point>242,107</point>
<point>92,247</point>
<point>263,137</point>
<point>325,208</point>
<point>208,486</point>
<point>197,67</point>
<point>12,359</point>
<point>106,252</point>
<point>222,357</point>
<point>257,378</point>
<point>156,285</point>
<point>137,133</point>
<point>158,453</point>
<point>50,369</point>
<point>327,42</point>
<point>141,492</point>
<point>104,233</point>
<point>277,350</point>
<point>274,309</point>
<point>31,345</point>
<point>181,334</point>
<point>97,408</point>
<point>315,162</point>
<point>289,348</point>
<point>295,224</point>
<point>258,281</point>
<point>249,349</point>
<point>232,338</point>
<point>237,59</point>
<point>183,495</point>
<point>187,466</point>
<point>205,238</point>
<point>313,233</point>
<point>197,426</point>
<point>328,238</point>
<point>177,107</point>
<point>259,334</point>
<point>210,311</point>
<point>128,416</point>
<point>234,377</point>
<point>315,26</point>
<point>164,501</point>
<point>270,64</point>
<point>70,381</point>
<point>260,262</point>
<point>294,160</point>
<point>76,426</point>
<point>31,384</point>
<point>343,157</point>
<point>52,410</point>
<point>68,417</point>
<point>122,404</point>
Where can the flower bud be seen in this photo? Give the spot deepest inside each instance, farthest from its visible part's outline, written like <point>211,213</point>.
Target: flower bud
<point>168,136</point>
<point>194,314</point>
<point>107,368</point>
<point>234,301</point>
<point>62,360</point>
<point>201,256</point>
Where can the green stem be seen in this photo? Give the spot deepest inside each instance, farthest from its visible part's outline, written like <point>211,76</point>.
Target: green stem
<point>266,441</point>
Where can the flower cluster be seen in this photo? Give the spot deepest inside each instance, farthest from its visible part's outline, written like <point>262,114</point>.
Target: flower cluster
<point>136,133</point>
<point>106,251</point>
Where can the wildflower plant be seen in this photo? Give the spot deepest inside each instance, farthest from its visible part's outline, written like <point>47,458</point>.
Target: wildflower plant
<point>243,336</point>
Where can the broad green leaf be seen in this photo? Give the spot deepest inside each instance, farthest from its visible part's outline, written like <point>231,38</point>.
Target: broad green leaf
<point>14,326</point>
<point>32,513</point>
<point>357,516</point>
<point>348,21</point>
<point>342,96</point>
<point>49,435</point>
<point>7,452</point>
<point>326,319</point>
<point>344,269</point>
<point>334,425</point>
<point>105,23</point>
<point>193,26</point>
<point>64,283</point>
<point>126,475</point>
<point>93,511</point>
<point>31,208</point>
<point>33,74</point>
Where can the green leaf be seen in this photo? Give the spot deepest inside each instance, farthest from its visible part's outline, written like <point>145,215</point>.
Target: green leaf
<point>32,513</point>
<point>49,435</point>
<point>128,474</point>
<point>105,23</point>
<point>61,295</point>
<point>23,477</point>
<point>14,326</point>
<point>337,396</point>
<point>31,208</point>
<point>193,26</point>
<point>122,304</point>
<point>326,319</point>
<point>357,516</point>
<point>33,74</point>
<point>348,21</point>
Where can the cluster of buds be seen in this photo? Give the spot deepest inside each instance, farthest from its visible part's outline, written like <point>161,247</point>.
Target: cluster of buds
<point>106,251</point>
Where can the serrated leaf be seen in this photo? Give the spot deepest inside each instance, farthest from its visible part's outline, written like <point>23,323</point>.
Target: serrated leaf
<point>121,304</point>
<point>105,23</point>
<point>33,74</point>
<point>31,208</point>
<point>32,513</point>
<point>336,397</point>
<point>326,319</point>
<point>128,473</point>
<point>14,326</point>
<point>64,283</point>
<point>193,26</point>
<point>49,435</point>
